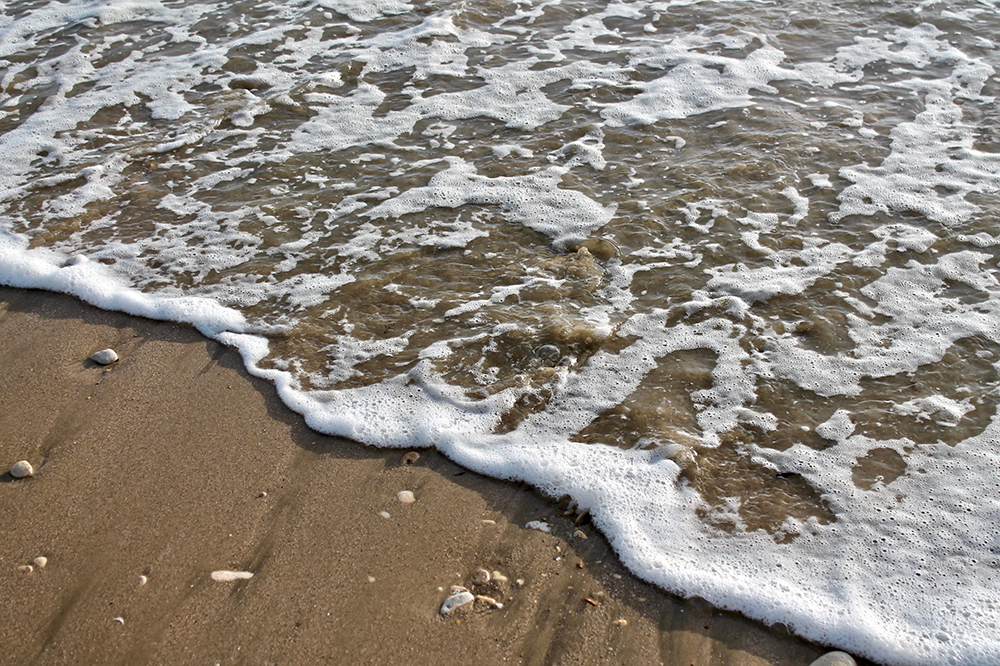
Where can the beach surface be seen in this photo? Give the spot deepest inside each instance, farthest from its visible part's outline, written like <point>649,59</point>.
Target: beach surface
<point>174,463</point>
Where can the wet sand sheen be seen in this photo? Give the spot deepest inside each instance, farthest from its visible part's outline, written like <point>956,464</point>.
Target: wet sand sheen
<point>174,463</point>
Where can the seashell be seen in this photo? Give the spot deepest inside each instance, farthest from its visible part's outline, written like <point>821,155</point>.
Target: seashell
<point>227,576</point>
<point>539,525</point>
<point>489,601</point>
<point>456,600</point>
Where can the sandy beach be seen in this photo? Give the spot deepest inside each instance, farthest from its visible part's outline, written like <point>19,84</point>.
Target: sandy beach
<point>173,463</point>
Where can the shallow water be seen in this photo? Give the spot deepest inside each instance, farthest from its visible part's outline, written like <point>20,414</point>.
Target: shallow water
<point>725,272</point>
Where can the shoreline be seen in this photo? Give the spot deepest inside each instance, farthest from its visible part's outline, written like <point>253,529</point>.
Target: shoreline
<point>174,462</point>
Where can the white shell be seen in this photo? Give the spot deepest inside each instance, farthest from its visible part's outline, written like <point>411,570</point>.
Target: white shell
<point>489,601</point>
<point>21,469</point>
<point>142,580</point>
<point>456,600</point>
<point>479,577</point>
<point>41,561</point>
<point>104,357</point>
<point>406,496</point>
<point>227,576</point>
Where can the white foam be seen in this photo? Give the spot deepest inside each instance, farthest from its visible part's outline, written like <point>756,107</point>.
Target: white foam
<point>579,106</point>
<point>936,150</point>
<point>534,200</point>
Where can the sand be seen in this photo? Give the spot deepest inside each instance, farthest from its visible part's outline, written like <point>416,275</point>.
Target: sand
<point>173,463</point>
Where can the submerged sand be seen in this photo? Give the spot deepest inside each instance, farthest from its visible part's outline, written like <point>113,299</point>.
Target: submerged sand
<point>174,463</point>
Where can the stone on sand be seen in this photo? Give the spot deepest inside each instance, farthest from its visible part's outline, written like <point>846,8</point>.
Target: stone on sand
<point>104,357</point>
<point>835,658</point>
<point>406,496</point>
<point>22,469</point>
<point>479,577</point>
<point>41,561</point>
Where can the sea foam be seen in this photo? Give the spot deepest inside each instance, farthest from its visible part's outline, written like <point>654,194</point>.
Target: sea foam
<point>596,248</point>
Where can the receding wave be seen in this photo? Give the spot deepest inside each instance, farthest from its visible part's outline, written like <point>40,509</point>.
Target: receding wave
<point>724,272</point>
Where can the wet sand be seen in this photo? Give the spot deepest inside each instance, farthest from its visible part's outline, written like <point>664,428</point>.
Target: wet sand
<point>174,462</point>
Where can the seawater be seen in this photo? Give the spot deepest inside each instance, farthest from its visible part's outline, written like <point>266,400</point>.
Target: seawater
<point>723,272</point>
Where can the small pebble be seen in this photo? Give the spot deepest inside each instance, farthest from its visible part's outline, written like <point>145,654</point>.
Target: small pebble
<point>499,577</point>
<point>411,458</point>
<point>26,568</point>
<point>620,622</point>
<point>455,589</point>
<point>579,565</point>
<point>385,514</point>
<point>456,600</point>
<point>579,534</point>
<point>41,561</point>
<point>547,352</point>
<point>119,620</point>
<point>21,469</point>
<point>835,658</point>
<point>142,580</point>
<point>406,497</point>
<point>487,521</point>
<point>519,582</point>
<point>104,357</point>
<point>479,577</point>
<point>371,579</point>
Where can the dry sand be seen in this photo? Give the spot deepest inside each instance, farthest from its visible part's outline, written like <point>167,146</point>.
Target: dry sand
<point>174,462</point>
